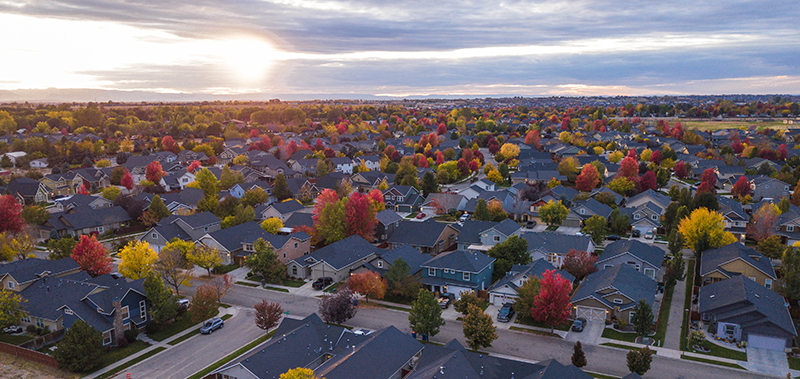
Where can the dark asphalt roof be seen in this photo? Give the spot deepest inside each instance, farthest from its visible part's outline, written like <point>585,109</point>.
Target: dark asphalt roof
<point>88,218</point>
<point>24,186</point>
<point>535,269</point>
<point>388,216</point>
<point>287,206</point>
<point>45,298</point>
<point>648,253</point>
<point>341,253</point>
<point>299,219</point>
<point>507,227</point>
<point>410,255</point>
<point>624,279</point>
<point>712,259</point>
<point>425,233</point>
<point>459,260</point>
<point>555,242</point>
<point>469,231</point>
<point>26,270</point>
<point>195,221</point>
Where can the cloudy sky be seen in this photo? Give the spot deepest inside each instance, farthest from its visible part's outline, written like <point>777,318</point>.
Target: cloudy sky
<point>402,48</point>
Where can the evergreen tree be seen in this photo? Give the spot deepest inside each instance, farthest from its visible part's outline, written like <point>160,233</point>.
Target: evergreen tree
<point>280,188</point>
<point>429,184</point>
<point>80,349</point>
<point>482,211</point>
<point>642,319</point>
<point>162,303</point>
<point>157,208</point>
<point>578,356</point>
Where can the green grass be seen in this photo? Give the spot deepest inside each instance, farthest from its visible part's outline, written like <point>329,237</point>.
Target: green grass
<point>120,368</point>
<point>626,347</point>
<point>247,284</point>
<point>617,335</point>
<point>225,317</point>
<point>531,322</point>
<point>184,337</point>
<point>292,283</point>
<point>226,306</point>
<point>276,289</point>
<point>224,269</point>
<point>388,306</point>
<point>600,376</point>
<point>412,215</point>
<point>176,327</point>
<point>15,340</point>
<point>794,363</point>
<point>539,332</point>
<point>392,298</point>
<point>118,353</point>
<point>333,287</point>
<point>687,302</point>
<point>713,362</point>
<point>719,351</point>
<point>663,315</point>
<point>202,373</point>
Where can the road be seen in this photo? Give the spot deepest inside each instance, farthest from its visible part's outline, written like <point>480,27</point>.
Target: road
<point>509,343</point>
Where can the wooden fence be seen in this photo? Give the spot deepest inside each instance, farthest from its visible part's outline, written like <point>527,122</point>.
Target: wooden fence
<point>40,342</point>
<point>28,355</point>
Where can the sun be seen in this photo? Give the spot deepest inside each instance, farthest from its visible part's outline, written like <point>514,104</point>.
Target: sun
<point>248,58</point>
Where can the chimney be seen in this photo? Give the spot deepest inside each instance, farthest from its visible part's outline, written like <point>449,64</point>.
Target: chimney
<point>119,332</point>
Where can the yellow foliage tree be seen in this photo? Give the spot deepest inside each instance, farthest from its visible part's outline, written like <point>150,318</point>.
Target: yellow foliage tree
<point>509,150</point>
<point>205,257</point>
<point>103,163</point>
<point>240,160</point>
<point>136,260</point>
<point>126,145</point>
<point>646,155</point>
<point>704,230</point>
<point>615,157</point>
<point>19,245</point>
<point>272,225</point>
<point>299,373</point>
<point>553,183</point>
<point>495,176</point>
<point>564,137</point>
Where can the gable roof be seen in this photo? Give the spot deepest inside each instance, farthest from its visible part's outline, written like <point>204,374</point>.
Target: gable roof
<point>460,260</point>
<point>654,196</point>
<point>711,260</point>
<point>535,269</point>
<point>410,255</point>
<point>648,253</point>
<point>341,253</point>
<point>425,233</point>
<point>469,231</point>
<point>507,227</point>
<point>27,270</point>
<point>388,216</point>
<point>555,242</point>
<point>623,278</point>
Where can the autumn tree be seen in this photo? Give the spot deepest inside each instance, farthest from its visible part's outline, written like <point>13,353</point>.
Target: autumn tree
<point>680,170</point>
<point>154,172</point>
<point>338,308</point>
<point>36,214</point>
<point>569,168</point>
<point>280,189</point>
<point>19,245</point>
<point>622,186</point>
<point>173,267</point>
<point>368,283</point>
<point>708,182</point>
<point>205,303</point>
<point>272,225</point>
<point>579,263</point>
<point>268,314</point>
<point>425,316</point>
<point>265,263</point>
<point>703,230</point>
<point>648,181</point>
<point>299,373</point>
<point>127,180</point>
<point>60,247</point>
<point>465,300</point>
<point>111,193</point>
<point>496,211</point>
<point>163,306</point>
<point>629,169</point>
<point>193,166</point>
<point>588,179</point>
<point>328,214</point>
<point>527,294</point>
<point>742,188</point>
<point>551,306</point>
<point>204,256</point>
<point>479,331</point>
<point>639,360</point>
<point>10,307</point>
<point>360,216</point>
<point>512,251</point>
<point>136,259</point>
<point>10,214</point>
<point>254,197</point>
<point>596,227</point>
<point>762,224</point>
<point>91,256</point>
<point>553,213</point>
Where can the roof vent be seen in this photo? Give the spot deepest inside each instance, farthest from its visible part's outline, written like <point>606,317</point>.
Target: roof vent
<point>711,297</point>
<point>758,296</point>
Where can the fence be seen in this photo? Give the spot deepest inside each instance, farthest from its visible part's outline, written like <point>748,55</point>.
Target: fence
<point>38,343</point>
<point>28,355</point>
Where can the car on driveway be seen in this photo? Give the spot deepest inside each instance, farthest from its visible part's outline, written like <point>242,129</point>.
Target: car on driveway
<point>322,283</point>
<point>420,216</point>
<point>211,325</point>
<point>12,329</point>
<point>183,303</point>
<point>648,235</point>
<point>506,313</point>
<point>613,237</point>
<point>579,324</point>
<point>636,233</point>
<point>464,217</point>
<point>445,300</point>
<point>530,224</point>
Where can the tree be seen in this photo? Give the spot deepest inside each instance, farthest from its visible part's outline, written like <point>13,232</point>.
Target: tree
<point>762,224</point>
<point>478,328</point>
<point>154,172</point>
<point>368,283</point>
<point>482,211</point>
<point>553,213</point>
<point>136,260</point>
<point>338,308</point>
<point>360,216</point>
<point>173,267</point>
<point>268,314</point>
<point>111,193</point>
<point>588,179</point>
<point>35,214</point>
<point>619,222</point>
<point>157,208</point>
<point>193,166</point>
<point>465,300</point>
<point>19,245</point>
<point>496,211</point>
<point>60,247</point>
<point>241,215</point>
<point>568,167</point>
<point>116,175</point>
<point>578,356</point>
<point>162,303</point>
<point>597,228</point>
<point>10,214</point>
<point>509,151</point>
<point>642,318</point>
<point>512,251</point>
<point>407,173</point>
<point>299,373</point>
<point>280,188</point>
<point>579,263</point>
<point>704,230</point>
<point>791,278</point>
<point>648,181</point>
<point>91,256</point>
<point>662,177</point>
<point>708,182</point>
<point>771,247</point>
<point>328,216</point>
<point>205,257</point>
<point>265,262</point>
<point>639,360</point>
<point>228,178</point>
<point>10,307</point>
<point>622,186</point>
<point>205,303</point>
<point>742,188</point>
<point>396,273</point>
<point>254,197</point>
<point>272,225</point>
<point>680,170</point>
<point>425,316</point>
<point>127,180</point>
<point>551,306</point>
<point>80,349</point>
<point>429,184</point>
<point>168,144</point>
<point>706,200</point>
<point>527,296</point>
<point>629,169</point>
<point>784,205</point>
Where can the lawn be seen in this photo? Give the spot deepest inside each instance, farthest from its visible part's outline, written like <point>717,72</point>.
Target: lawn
<point>719,351</point>
<point>185,322</point>
<point>15,340</point>
<point>617,335</point>
<point>663,315</point>
<point>626,347</point>
<point>202,373</point>
<point>531,322</point>
<point>794,363</point>
<point>333,287</point>
<point>392,298</point>
<point>539,332</point>
<point>276,289</point>
<point>713,362</point>
<point>118,353</point>
<point>687,302</point>
<point>292,283</point>
<point>120,368</point>
<point>247,284</point>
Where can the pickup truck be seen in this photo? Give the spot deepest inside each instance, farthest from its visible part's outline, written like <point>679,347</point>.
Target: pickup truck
<point>445,300</point>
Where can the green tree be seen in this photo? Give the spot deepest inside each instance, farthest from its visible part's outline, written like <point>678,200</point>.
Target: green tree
<point>429,184</point>
<point>60,247</point>
<point>425,316</point>
<point>478,328</point>
<point>675,269</point>
<point>241,215</point>
<point>228,178</point>
<point>157,208</point>
<point>553,213</point>
<point>771,247</point>
<point>639,360</point>
<point>396,273</point>
<point>482,211</point>
<point>406,174</point>
<point>465,300</point>
<point>619,222</point>
<point>527,296</point>
<point>280,188</point>
<point>10,307</point>
<point>597,228</point>
<point>784,205</point>
<point>791,267</point>
<point>163,306</point>
<point>642,318</point>
<point>35,214</point>
<point>111,193</point>
<point>80,349</point>
<point>265,262</point>
<point>578,356</point>
<point>254,197</point>
<point>322,168</point>
<point>512,251</point>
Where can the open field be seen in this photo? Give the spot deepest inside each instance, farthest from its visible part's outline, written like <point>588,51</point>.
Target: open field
<point>13,368</point>
<point>733,124</point>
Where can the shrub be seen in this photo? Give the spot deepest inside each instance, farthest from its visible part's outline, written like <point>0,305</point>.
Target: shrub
<point>131,335</point>
<point>31,329</point>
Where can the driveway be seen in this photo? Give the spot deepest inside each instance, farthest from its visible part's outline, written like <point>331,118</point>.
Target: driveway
<point>571,230</point>
<point>767,361</point>
<point>590,334</point>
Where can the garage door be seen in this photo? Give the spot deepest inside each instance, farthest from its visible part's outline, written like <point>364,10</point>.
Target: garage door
<point>500,299</point>
<point>591,314</point>
<point>456,290</point>
<point>766,342</point>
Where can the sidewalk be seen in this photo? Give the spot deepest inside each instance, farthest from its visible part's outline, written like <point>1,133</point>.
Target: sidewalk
<point>165,344</point>
<point>672,338</point>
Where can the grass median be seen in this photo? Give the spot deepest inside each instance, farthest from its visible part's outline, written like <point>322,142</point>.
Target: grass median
<point>713,362</point>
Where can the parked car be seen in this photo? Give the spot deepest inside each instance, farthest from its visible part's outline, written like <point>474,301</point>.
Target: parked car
<point>115,275</point>
<point>613,237</point>
<point>322,283</point>
<point>506,313</point>
<point>212,325</point>
<point>183,303</point>
<point>648,235</point>
<point>13,329</point>
<point>530,224</point>
<point>421,216</point>
<point>579,324</point>
<point>636,233</point>
<point>579,234</point>
<point>445,299</point>
<point>362,331</point>
<point>464,217</point>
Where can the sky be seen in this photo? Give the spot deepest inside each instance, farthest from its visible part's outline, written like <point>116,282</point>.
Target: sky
<point>396,49</point>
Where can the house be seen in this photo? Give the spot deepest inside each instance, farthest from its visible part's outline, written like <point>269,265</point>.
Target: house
<point>28,191</point>
<point>764,187</point>
<point>649,196</point>
<point>429,236</point>
<point>733,260</point>
<point>182,202</point>
<point>496,234</point>
<point>18,275</point>
<point>388,221</point>
<point>280,210</point>
<point>403,199</point>
<point>336,260</point>
<point>187,228</point>
<point>789,226</point>
<point>385,259</point>
<point>370,180</point>
<point>458,271</point>
<point>84,220</point>
<point>237,242</point>
<point>645,217</point>
<point>177,180</point>
<point>80,200</point>
<point>38,163</point>
<point>189,156</point>
<point>342,164</point>
<point>62,184</point>
<point>642,257</point>
<point>742,310</point>
<point>438,203</point>
<point>553,247</point>
<point>736,218</point>
<point>505,290</point>
<point>591,207</point>
<point>612,293</point>
<point>469,233</point>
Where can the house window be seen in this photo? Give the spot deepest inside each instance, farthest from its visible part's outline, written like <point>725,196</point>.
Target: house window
<point>466,276</point>
<point>142,309</point>
<point>583,211</point>
<point>789,228</point>
<point>295,245</point>
<point>617,301</point>
<point>730,329</point>
<point>650,273</point>
<point>737,223</point>
<point>431,272</point>
<point>154,235</point>
<point>637,216</point>
<point>768,283</point>
<point>294,270</point>
<point>39,323</point>
<point>11,285</point>
<point>607,266</point>
<point>248,247</point>
<point>100,229</point>
<point>26,319</point>
<point>68,311</point>
<point>284,255</point>
<point>107,338</point>
<point>496,238</point>
<point>125,312</point>
<point>185,180</point>
<point>654,217</point>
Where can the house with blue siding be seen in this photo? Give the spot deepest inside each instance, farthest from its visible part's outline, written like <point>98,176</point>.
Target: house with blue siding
<point>458,271</point>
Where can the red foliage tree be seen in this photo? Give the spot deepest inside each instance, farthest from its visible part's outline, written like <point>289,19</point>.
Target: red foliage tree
<point>193,166</point>
<point>168,144</point>
<point>254,133</point>
<point>551,306</point>
<point>741,188</point>
<point>154,172</point>
<point>762,224</point>
<point>127,180</point>
<point>708,182</point>
<point>648,181</point>
<point>10,214</point>
<point>656,157</point>
<point>467,155</point>
<point>318,146</point>
<point>439,157</point>
<point>291,147</point>
<point>677,131</point>
<point>783,152</point>
<point>588,179</point>
<point>264,145</point>
<point>632,154</point>
<point>463,167</point>
<point>360,216</point>
<point>441,129</point>
<point>268,314</point>
<point>473,165</point>
<point>737,147</point>
<point>680,170</point>
<point>629,169</point>
<point>91,256</point>
<point>579,263</point>
<point>82,190</point>
<point>369,284</point>
<point>421,161</point>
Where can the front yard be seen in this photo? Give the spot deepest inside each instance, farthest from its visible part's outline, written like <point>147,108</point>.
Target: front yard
<point>617,335</point>
<point>531,322</point>
<point>719,351</point>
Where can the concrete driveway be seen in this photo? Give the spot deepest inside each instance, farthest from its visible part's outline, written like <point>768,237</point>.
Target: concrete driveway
<point>767,362</point>
<point>571,230</point>
<point>590,334</point>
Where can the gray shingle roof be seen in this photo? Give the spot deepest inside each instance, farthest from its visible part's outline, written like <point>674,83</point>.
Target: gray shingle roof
<point>299,219</point>
<point>459,260</point>
<point>657,197</point>
<point>89,218</point>
<point>425,233</point>
<point>534,269</point>
<point>341,253</point>
<point>555,242</point>
<point>197,220</point>
<point>30,269</point>
<point>624,279</point>
<point>712,259</point>
<point>410,255</point>
<point>388,216</point>
<point>507,227</point>
<point>648,253</point>
<point>469,231</point>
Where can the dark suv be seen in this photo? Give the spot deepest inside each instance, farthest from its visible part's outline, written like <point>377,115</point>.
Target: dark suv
<point>506,313</point>
<point>322,283</point>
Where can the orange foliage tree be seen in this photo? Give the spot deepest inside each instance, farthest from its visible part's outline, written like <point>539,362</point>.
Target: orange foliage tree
<point>369,284</point>
<point>91,256</point>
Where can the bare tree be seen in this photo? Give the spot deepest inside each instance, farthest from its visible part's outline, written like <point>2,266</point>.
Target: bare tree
<point>222,285</point>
